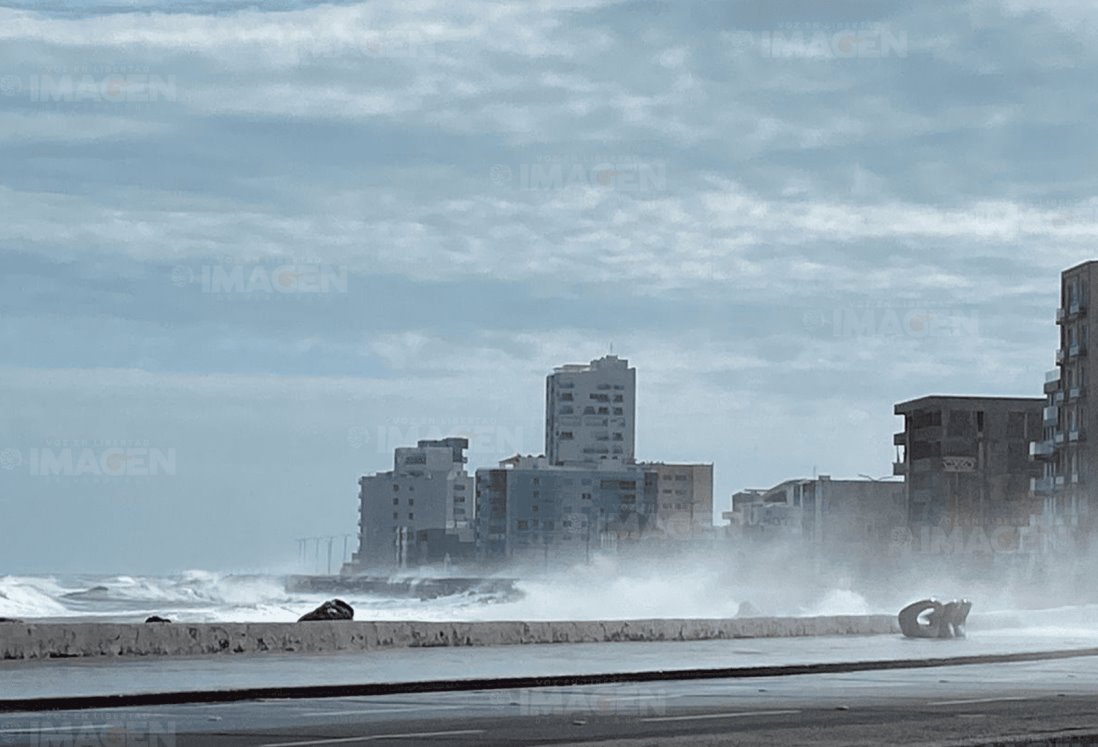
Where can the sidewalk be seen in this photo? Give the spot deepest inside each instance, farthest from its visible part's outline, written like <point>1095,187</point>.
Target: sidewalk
<point>59,678</point>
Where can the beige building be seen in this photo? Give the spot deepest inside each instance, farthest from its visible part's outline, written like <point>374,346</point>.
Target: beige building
<point>684,502</point>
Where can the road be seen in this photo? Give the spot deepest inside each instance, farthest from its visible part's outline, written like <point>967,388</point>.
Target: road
<point>972,704</point>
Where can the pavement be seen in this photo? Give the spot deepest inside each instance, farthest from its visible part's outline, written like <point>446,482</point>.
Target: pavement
<point>1049,702</point>
<point>111,676</point>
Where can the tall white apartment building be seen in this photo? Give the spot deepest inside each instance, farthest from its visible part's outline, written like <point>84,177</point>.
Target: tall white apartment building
<point>590,413</point>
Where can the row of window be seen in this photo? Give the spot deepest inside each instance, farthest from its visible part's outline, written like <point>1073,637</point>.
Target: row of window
<point>524,525</point>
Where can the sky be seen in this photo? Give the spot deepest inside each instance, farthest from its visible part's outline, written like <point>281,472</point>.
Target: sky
<point>248,249</point>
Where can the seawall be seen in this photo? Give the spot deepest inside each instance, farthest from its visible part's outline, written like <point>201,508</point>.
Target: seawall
<point>20,641</point>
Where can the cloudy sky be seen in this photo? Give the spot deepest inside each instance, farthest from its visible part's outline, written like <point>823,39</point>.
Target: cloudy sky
<point>259,248</point>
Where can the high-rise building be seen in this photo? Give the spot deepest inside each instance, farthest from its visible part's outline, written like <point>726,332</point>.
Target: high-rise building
<point>419,512</point>
<point>590,413</point>
<point>530,511</point>
<point>1067,459</point>
<point>965,461</point>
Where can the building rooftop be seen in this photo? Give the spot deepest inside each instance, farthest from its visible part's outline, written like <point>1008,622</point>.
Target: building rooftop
<point>1081,265</point>
<point>932,400</point>
<point>607,361</point>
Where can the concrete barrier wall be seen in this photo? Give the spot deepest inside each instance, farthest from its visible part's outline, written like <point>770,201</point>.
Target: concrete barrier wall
<point>55,640</point>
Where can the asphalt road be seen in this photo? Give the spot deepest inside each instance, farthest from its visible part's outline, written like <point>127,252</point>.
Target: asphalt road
<point>977,704</point>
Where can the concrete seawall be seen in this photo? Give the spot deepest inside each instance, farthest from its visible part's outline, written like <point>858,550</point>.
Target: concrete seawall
<point>62,640</point>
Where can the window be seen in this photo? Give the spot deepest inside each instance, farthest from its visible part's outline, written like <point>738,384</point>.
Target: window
<point>396,515</point>
<point>534,508</point>
<point>411,501</point>
<point>411,516</point>
<point>522,524</point>
<point>396,501</point>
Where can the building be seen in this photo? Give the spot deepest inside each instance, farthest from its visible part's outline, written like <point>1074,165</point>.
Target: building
<point>420,512</point>
<point>534,512</point>
<point>846,519</point>
<point>1067,460</point>
<point>965,463</point>
<point>590,413</point>
<point>684,499</point>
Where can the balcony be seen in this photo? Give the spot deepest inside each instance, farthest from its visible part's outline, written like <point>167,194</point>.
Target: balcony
<point>1060,316</point>
<point>1059,356</point>
<point>1075,393</point>
<point>1079,348</point>
<point>1051,416</point>
<point>1077,435</point>
<point>1079,306</point>
<point>899,468</point>
<point>1052,381</point>
<point>899,439</point>
<point>1041,449</point>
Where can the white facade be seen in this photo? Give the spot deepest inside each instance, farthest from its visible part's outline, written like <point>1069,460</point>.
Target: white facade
<point>590,413</point>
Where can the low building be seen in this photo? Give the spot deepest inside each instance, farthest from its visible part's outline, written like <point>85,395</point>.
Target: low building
<point>967,471</point>
<point>420,512</point>
<point>532,512</point>
<point>842,518</point>
<point>684,499</point>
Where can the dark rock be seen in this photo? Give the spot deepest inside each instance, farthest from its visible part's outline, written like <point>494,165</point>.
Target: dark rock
<point>333,609</point>
<point>157,619</point>
<point>9,620</point>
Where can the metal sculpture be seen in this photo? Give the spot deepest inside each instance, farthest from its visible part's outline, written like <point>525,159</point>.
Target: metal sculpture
<point>941,621</point>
